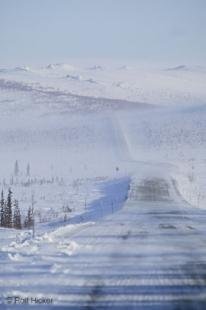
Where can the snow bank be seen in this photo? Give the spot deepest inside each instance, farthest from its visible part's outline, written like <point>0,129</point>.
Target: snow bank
<point>66,231</point>
<point>189,189</point>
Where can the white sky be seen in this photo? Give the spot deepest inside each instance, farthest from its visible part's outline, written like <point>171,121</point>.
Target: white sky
<point>143,30</point>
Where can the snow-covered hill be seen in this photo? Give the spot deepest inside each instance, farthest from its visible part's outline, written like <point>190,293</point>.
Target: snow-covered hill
<point>92,119</point>
<point>180,84</point>
<point>63,117</point>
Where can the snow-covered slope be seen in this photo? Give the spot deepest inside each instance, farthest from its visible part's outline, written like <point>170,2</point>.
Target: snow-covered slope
<point>180,84</point>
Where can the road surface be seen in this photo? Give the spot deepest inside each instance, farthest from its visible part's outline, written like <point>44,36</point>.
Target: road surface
<point>151,254</point>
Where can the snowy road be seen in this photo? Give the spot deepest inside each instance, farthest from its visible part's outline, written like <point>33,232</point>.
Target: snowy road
<point>149,255</point>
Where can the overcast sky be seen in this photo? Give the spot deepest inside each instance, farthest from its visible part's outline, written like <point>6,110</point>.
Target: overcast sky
<point>143,30</point>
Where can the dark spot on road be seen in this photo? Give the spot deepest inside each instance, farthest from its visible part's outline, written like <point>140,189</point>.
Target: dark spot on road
<point>167,226</point>
<point>126,236</point>
<point>94,295</point>
<point>190,227</point>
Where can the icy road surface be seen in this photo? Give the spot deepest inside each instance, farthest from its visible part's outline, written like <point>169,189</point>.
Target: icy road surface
<point>149,255</point>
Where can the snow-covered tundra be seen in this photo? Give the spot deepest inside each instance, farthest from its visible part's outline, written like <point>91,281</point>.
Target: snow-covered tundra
<point>112,161</point>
